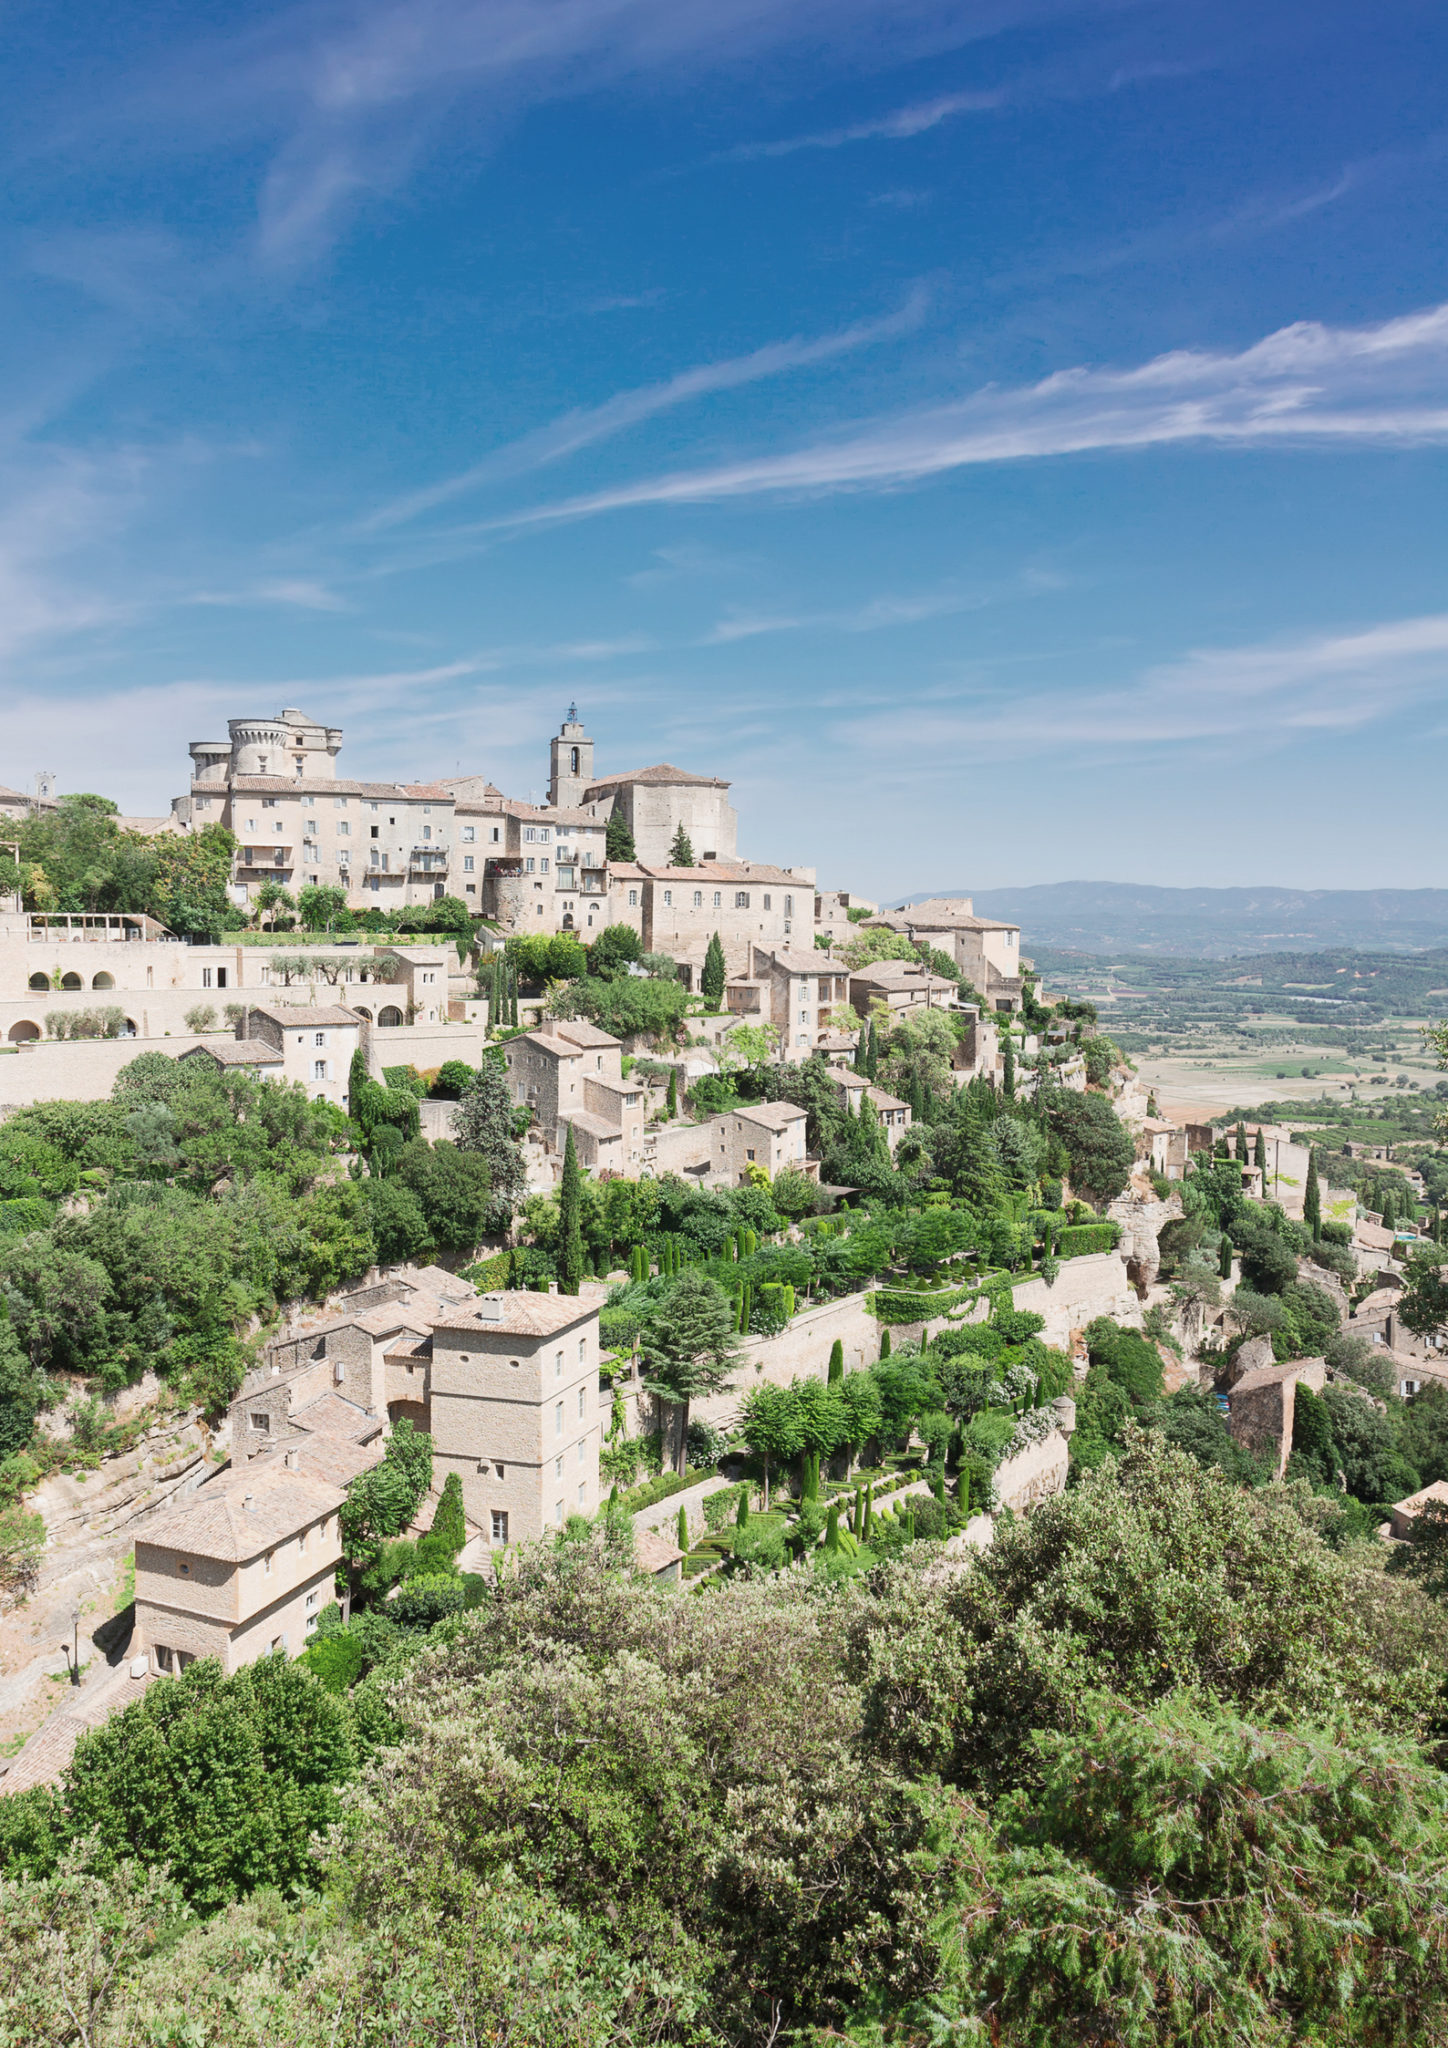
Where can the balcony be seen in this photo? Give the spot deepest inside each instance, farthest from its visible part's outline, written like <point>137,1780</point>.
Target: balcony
<point>427,860</point>
<point>258,860</point>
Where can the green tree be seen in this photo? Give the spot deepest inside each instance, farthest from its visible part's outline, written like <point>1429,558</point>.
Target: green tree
<point>1098,1142</point>
<point>570,1220</point>
<point>1241,1143</point>
<point>449,1521</point>
<point>770,1426</point>
<point>398,1220</point>
<point>383,1500</point>
<point>616,946</point>
<point>836,1370</point>
<point>681,851</point>
<point>484,1125</point>
<point>321,904</point>
<point>618,837</point>
<point>1312,1199</point>
<point>454,1189</point>
<point>689,1347</point>
<point>1259,1156</point>
<point>712,975</point>
<point>1008,1083</point>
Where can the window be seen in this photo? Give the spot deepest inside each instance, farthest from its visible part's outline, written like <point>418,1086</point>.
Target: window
<point>262,1423</point>
<point>528,864</point>
<point>749,1155</point>
<point>266,1566</point>
<point>542,865</point>
<point>319,1070</point>
<point>582,1402</point>
<point>165,1658</point>
<point>530,834</point>
<point>543,834</point>
<point>583,1341</point>
<point>495,835</point>
<point>320,1039</point>
<point>470,833</point>
<point>558,1366</point>
<point>278,827</point>
<point>309,803</point>
<point>500,1525</point>
<point>268,803</point>
<point>718,899</point>
<point>558,1512</point>
<point>582,1493</point>
<point>698,899</point>
<point>633,899</point>
<point>183,1567</point>
<point>767,902</point>
<point>668,896</point>
<point>558,1420</point>
<point>557,1468</point>
<point>499,1469</point>
<point>804,1016</point>
<point>427,831</point>
<point>467,864</point>
<point>789,906</point>
<point>583,1450</point>
<point>344,828</point>
<point>339,803</point>
<point>741,899</point>
<point>371,807</point>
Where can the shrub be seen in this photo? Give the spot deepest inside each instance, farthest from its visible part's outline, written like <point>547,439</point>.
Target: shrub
<point>427,1599</point>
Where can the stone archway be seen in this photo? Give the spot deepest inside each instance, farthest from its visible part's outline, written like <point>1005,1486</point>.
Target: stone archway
<point>40,983</point>
<point>71,980</point>
<point>24,1033</point>
<point>103,980</point>
<point>389,1017</point>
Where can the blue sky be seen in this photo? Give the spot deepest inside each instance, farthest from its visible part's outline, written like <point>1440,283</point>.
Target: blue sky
<point>1006,438</point>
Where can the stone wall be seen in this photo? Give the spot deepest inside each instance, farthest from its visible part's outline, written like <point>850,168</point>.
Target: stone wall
<point>77,1069</point>
<point>663,1516</point>
<point>1038,1472</point>
<point>1095,1285</point>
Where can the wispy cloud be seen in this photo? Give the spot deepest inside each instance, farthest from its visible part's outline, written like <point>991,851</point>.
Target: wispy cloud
<point>299,592</point>
<point>897,126</point>
<point>1386,384</point>
<point>1267,693</point>
<point>581,428</point>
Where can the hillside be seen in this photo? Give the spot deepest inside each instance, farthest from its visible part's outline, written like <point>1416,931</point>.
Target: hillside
<point>1109,917</point>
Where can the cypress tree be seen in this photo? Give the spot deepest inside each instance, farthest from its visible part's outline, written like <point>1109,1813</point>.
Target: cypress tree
<point>1008,1081</point>
<point>862,1050</point>
<point>837,1363</point>
<point>448,1520</point>
<point>1312,1199</point>
<point>638,1265</point>
<point>872,1065</point>
<point>1390,1211</point>
<point>832,1527</point>
<point>357,1077</point>
<point>618,839</point>
<point>570,1220</point>
<point>1224,1258</point>
<point>683,1529</point>
<point>711,978</point>
<point>1242,1143</point>
<point>867,1521</point>
<point>741,1513</point>
<point>671,1103</point>
<point>917,1101</point>
<point>885,1341</point>
<point>1259,1156</point>
<point>962,1492</point>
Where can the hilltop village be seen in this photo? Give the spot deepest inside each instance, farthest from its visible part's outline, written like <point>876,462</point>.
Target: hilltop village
<point>446,1239</point>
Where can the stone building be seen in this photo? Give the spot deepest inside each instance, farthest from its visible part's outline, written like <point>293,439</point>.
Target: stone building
<point>657,802</point>
<point>677,911</point>
<point>1263,1402</point>
<point>986,951</point>
<point>570,1072</point>
<point>514,1410</point>
<point>246,1564</point>
<point>902,986</point>
<point>532,867</point>
<point>767,1136</point>
<point>797,992</point>
<point>895,1115</point>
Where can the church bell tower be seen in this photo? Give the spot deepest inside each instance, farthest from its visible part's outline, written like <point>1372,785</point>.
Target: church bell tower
<point>570,764</point>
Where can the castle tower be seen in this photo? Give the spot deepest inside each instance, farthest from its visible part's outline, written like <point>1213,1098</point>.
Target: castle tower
<point>570,764</point>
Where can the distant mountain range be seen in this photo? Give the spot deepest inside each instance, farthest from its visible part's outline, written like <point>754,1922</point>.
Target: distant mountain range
<point>1213,924</point>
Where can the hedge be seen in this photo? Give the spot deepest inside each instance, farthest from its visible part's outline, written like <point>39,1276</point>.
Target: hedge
<point>1082,1238</point>
<point>489,1274</point>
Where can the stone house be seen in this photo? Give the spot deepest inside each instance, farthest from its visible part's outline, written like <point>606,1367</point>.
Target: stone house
<point>894,1114</point>
<point>534,867</point>
<point>1405,1512</point>
<point>348,1370</point>
<point>245,1565</point>
<point>315,1045</point>
<point>514,1410</point>
<point>986,951</point>
<point>902,986</point>
<point>678,910</point>
<point>795,992</point>
<point>832,918</point>
<point>770,1135</point>
<point>570,1072</point>
<point>656,802</point>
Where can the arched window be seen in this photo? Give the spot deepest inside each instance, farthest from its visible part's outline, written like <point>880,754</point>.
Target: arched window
<point>573,757</point>
<point>40,981</point>
<point>71,981</point>
<point>24,1033</point>
<point>103,980</point>
<point>389,1017</point>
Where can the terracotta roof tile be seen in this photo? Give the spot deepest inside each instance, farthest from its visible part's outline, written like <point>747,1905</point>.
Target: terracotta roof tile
<point>521,1314</point>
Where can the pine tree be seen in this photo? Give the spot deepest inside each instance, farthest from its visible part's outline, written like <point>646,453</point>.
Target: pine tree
<point>1008,1079</point>
<point>681,853</point>
<point>1312,1199</point>
<point>618,839</point>
<point>837,1363</point>
<point>690,1347</point>
<point>671,1101</point>
<point>712,975</point>
<point>1224,1258</point>
<point>1242,1143</point>
<point>570,1220</point>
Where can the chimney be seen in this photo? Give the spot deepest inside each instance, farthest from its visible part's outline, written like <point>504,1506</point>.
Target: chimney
<point>251,1503</point>
<point>291,1459</point>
